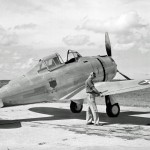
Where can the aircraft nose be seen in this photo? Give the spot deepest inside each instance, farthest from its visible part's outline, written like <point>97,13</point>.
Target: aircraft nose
<point>114,63</point>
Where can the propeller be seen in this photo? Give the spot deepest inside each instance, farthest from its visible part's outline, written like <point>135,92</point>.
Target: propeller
<point>107,44</point>
<point>123,75</point>
<point>109,53</point>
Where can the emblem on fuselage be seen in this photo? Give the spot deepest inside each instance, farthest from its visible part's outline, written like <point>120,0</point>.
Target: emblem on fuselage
<point>144,82</point>
<point>53,84</point>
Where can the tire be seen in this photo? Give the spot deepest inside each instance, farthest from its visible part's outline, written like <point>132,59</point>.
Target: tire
<point>113,110</point>
<point>74,108</point>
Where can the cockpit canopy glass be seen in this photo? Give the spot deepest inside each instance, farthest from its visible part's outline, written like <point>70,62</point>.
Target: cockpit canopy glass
<point>51,62</point>
<point>72,56</point>
<point>54,61</point>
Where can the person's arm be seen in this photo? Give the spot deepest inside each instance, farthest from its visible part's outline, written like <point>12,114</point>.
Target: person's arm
<point>94,89</point>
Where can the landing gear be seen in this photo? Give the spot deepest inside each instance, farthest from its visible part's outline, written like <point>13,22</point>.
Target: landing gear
<point>112,108</point>
<point>75,108</point>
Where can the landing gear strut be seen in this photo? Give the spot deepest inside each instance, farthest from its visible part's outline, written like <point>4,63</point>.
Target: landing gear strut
<point>112,108</point>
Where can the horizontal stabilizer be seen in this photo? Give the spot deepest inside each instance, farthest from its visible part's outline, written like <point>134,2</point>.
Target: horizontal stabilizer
<point>3,82</point>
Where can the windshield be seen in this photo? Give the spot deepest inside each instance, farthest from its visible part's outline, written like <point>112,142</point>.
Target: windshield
<point>72,56</point>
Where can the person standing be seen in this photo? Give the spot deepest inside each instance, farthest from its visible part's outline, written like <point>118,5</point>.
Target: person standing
<point>92,92</point>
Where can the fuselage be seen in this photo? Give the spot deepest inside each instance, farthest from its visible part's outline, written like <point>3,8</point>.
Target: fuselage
<point>52,84</point>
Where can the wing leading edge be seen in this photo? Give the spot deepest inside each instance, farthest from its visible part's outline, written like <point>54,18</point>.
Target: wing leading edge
<point>111,88</point>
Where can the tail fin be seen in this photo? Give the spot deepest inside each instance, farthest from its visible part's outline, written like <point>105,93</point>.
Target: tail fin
<point>1,103</point>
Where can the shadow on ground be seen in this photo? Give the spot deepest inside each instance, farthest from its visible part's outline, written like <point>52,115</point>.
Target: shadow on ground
<point>64,114</point>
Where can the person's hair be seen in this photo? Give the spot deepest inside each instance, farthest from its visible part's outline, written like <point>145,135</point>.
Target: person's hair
<point>93,74</point>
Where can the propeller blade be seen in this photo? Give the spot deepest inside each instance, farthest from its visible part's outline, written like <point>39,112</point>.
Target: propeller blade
<point>107,44</point>
<point>109,53</point>
<point>124,75</point>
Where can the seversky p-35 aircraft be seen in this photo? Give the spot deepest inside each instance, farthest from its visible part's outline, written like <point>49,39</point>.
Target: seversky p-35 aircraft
<point>53,79</point>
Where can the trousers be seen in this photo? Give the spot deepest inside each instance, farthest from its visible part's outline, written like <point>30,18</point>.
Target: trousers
<point>92,111</point>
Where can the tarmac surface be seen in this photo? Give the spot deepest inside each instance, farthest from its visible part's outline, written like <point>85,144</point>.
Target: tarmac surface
<point>52,125</point>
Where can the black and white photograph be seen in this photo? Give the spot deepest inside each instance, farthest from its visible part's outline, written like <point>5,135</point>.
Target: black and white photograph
<point>74,74</point>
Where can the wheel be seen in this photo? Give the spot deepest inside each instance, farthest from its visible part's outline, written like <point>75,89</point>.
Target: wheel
<point>113,110</point>
<point>75,108</point>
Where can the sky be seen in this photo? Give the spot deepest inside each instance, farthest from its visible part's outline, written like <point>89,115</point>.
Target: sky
<point>32,29</point>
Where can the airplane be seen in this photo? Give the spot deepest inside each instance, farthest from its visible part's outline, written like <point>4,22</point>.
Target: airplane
<point>53,79</point>
<point>3,82</point>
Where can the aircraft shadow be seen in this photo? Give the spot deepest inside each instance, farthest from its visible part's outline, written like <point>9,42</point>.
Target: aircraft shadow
<point>64,114</point>
<point>9,124</point>
<point>124,117</point>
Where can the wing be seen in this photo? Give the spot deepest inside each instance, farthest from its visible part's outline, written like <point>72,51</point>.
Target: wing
<point>76,95</point>
<point>111,88</point>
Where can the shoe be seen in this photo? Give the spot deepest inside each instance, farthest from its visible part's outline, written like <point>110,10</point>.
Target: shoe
<point>99,124</point>
<point>89,123</point>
